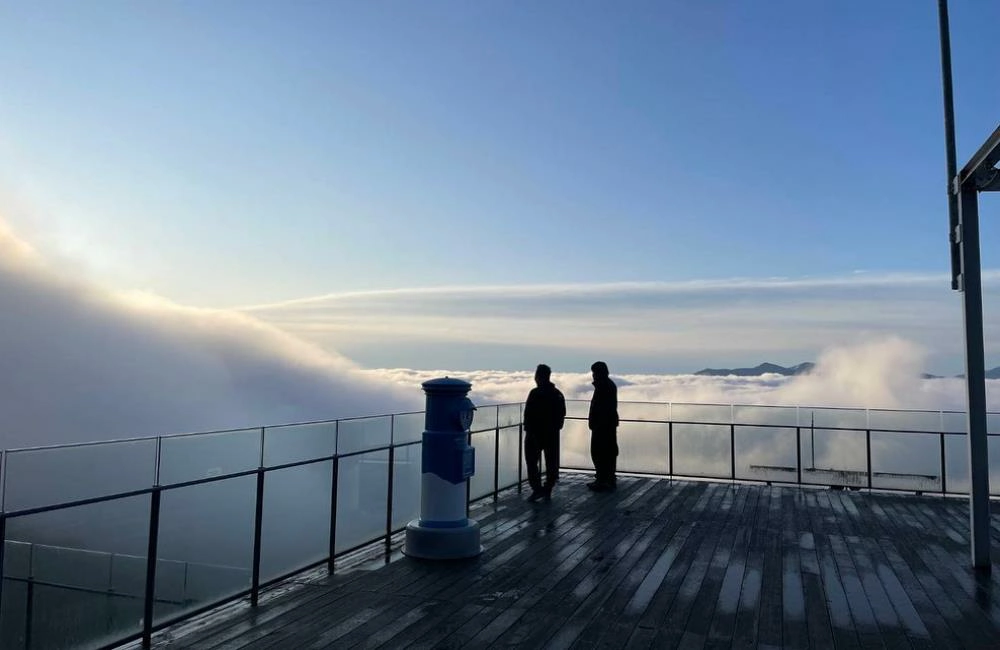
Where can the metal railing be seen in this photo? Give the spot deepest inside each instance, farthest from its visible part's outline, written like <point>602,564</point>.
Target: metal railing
<point>706,441</point>
<point>366,442</point>
<point>723,427</point>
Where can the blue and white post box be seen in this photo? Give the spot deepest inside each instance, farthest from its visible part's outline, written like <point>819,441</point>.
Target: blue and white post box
<point>443,531</point>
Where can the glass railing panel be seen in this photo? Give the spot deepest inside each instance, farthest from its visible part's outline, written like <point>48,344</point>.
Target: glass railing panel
<point>363,434</point>
<point>481,482</point>
<point>189,458</point>
<point>643,447</point>
<point>896,420</point>
<point>701,450</point>
<point>576,408</point>
<point>362,490</point>
<point>205,544</point>
<point>832,457</point>
<point>993,423</point>
<point>766,453</point>
<point>953,422</point>
<point>646,411</point>
<point>406,485</point>
<point>299,442</point>
<point>509,456</point>
<point>56,475</point>
<point>509,414</point>
<point>296,518</point>
<point>833,418</point>
<point>906,461</point>
<point>702,413</point>
<point>956,454</point>
<point>574,452</point>
<point>408,427</point>
<point>781,416</point>
<point>993,451</point>
<point>484,419</point>
<point>72,605</point>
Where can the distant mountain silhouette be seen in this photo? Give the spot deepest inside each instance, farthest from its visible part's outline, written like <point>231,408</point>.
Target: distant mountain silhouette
<point>993,373</point>
<point>762,369</point>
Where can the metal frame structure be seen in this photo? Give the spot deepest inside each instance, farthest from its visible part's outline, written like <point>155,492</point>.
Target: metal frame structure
<point>978,175</point>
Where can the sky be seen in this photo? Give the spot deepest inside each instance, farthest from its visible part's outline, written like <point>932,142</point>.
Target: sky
<point>667,185</point>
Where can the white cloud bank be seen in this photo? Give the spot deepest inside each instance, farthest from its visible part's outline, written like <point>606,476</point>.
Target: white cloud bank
<point>881,373</point>
<point>84,363</point>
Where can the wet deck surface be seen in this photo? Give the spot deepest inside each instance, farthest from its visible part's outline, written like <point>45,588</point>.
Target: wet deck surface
<point>658,564</point>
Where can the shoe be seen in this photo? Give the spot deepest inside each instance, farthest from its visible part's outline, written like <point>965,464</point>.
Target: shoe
<point>536,495</point>
<point>547,494</point>
<point>595,486</point>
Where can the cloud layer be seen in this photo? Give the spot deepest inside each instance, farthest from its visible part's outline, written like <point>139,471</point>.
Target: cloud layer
<point>881,373</point>
<point>84,363</point>
<point>641,327</point>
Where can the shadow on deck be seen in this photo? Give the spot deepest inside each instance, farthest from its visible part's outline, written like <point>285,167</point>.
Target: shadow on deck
<point>660,564</point>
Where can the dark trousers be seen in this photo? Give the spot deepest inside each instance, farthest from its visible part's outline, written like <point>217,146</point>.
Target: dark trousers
<point>535,444</point>
<point>604,453</point>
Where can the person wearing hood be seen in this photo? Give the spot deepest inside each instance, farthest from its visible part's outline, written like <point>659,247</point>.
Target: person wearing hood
<point>544,415</point>
<point>603,422</point>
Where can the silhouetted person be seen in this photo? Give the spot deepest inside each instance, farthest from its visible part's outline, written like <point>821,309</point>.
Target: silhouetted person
<point>544,414</point>
<point>603,421</point>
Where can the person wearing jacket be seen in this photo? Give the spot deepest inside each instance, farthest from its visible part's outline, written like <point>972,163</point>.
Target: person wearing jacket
<point>544,414</point>
<point>603,422</point>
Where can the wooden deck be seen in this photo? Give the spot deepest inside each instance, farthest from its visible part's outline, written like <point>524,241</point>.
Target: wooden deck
<point>657,564</point>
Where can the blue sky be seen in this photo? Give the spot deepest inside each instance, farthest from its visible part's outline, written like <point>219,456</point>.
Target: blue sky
<point>240,153</point>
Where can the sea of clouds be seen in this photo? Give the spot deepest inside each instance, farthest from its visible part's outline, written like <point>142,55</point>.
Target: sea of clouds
<point>884,373</point>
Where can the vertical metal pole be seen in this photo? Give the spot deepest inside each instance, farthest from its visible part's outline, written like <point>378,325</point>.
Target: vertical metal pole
<point>944,480</point>
<point>468,482</point>
<point>670,448</point>
<point>149,596</point>
<point>798,455</point>
<point>732,452</point>
<point>3,547</point>
<point>520,455</point>
<point>388,503</point>
<point>258,525</point>
<point>812,440</point>
<point>496,462</point>
<point>333,516</point>
<point>949,141</point>
<point>868,454</point>
<point>30,605</point>
<point>975,378</point>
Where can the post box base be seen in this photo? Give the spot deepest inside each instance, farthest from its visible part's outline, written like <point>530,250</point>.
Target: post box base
<point>442,543</point>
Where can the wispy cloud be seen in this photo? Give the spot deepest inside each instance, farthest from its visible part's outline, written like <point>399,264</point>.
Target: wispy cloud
<point>678,323</point>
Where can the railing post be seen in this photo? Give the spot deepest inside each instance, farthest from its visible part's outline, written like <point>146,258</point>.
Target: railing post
<point>496,459</point>
<point>468,483</point>
<point>944,480</point>
<point>29,606</point>
<point>732,452</point>
<point>670,449</point>
<point>388,501</point>
<point>520,455</point>
<point>798,455</point>
<point>3,547</point>
<point>868,452</point>
<point>258,524</point>
<point>150,593</point>
<point>333,515</point>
